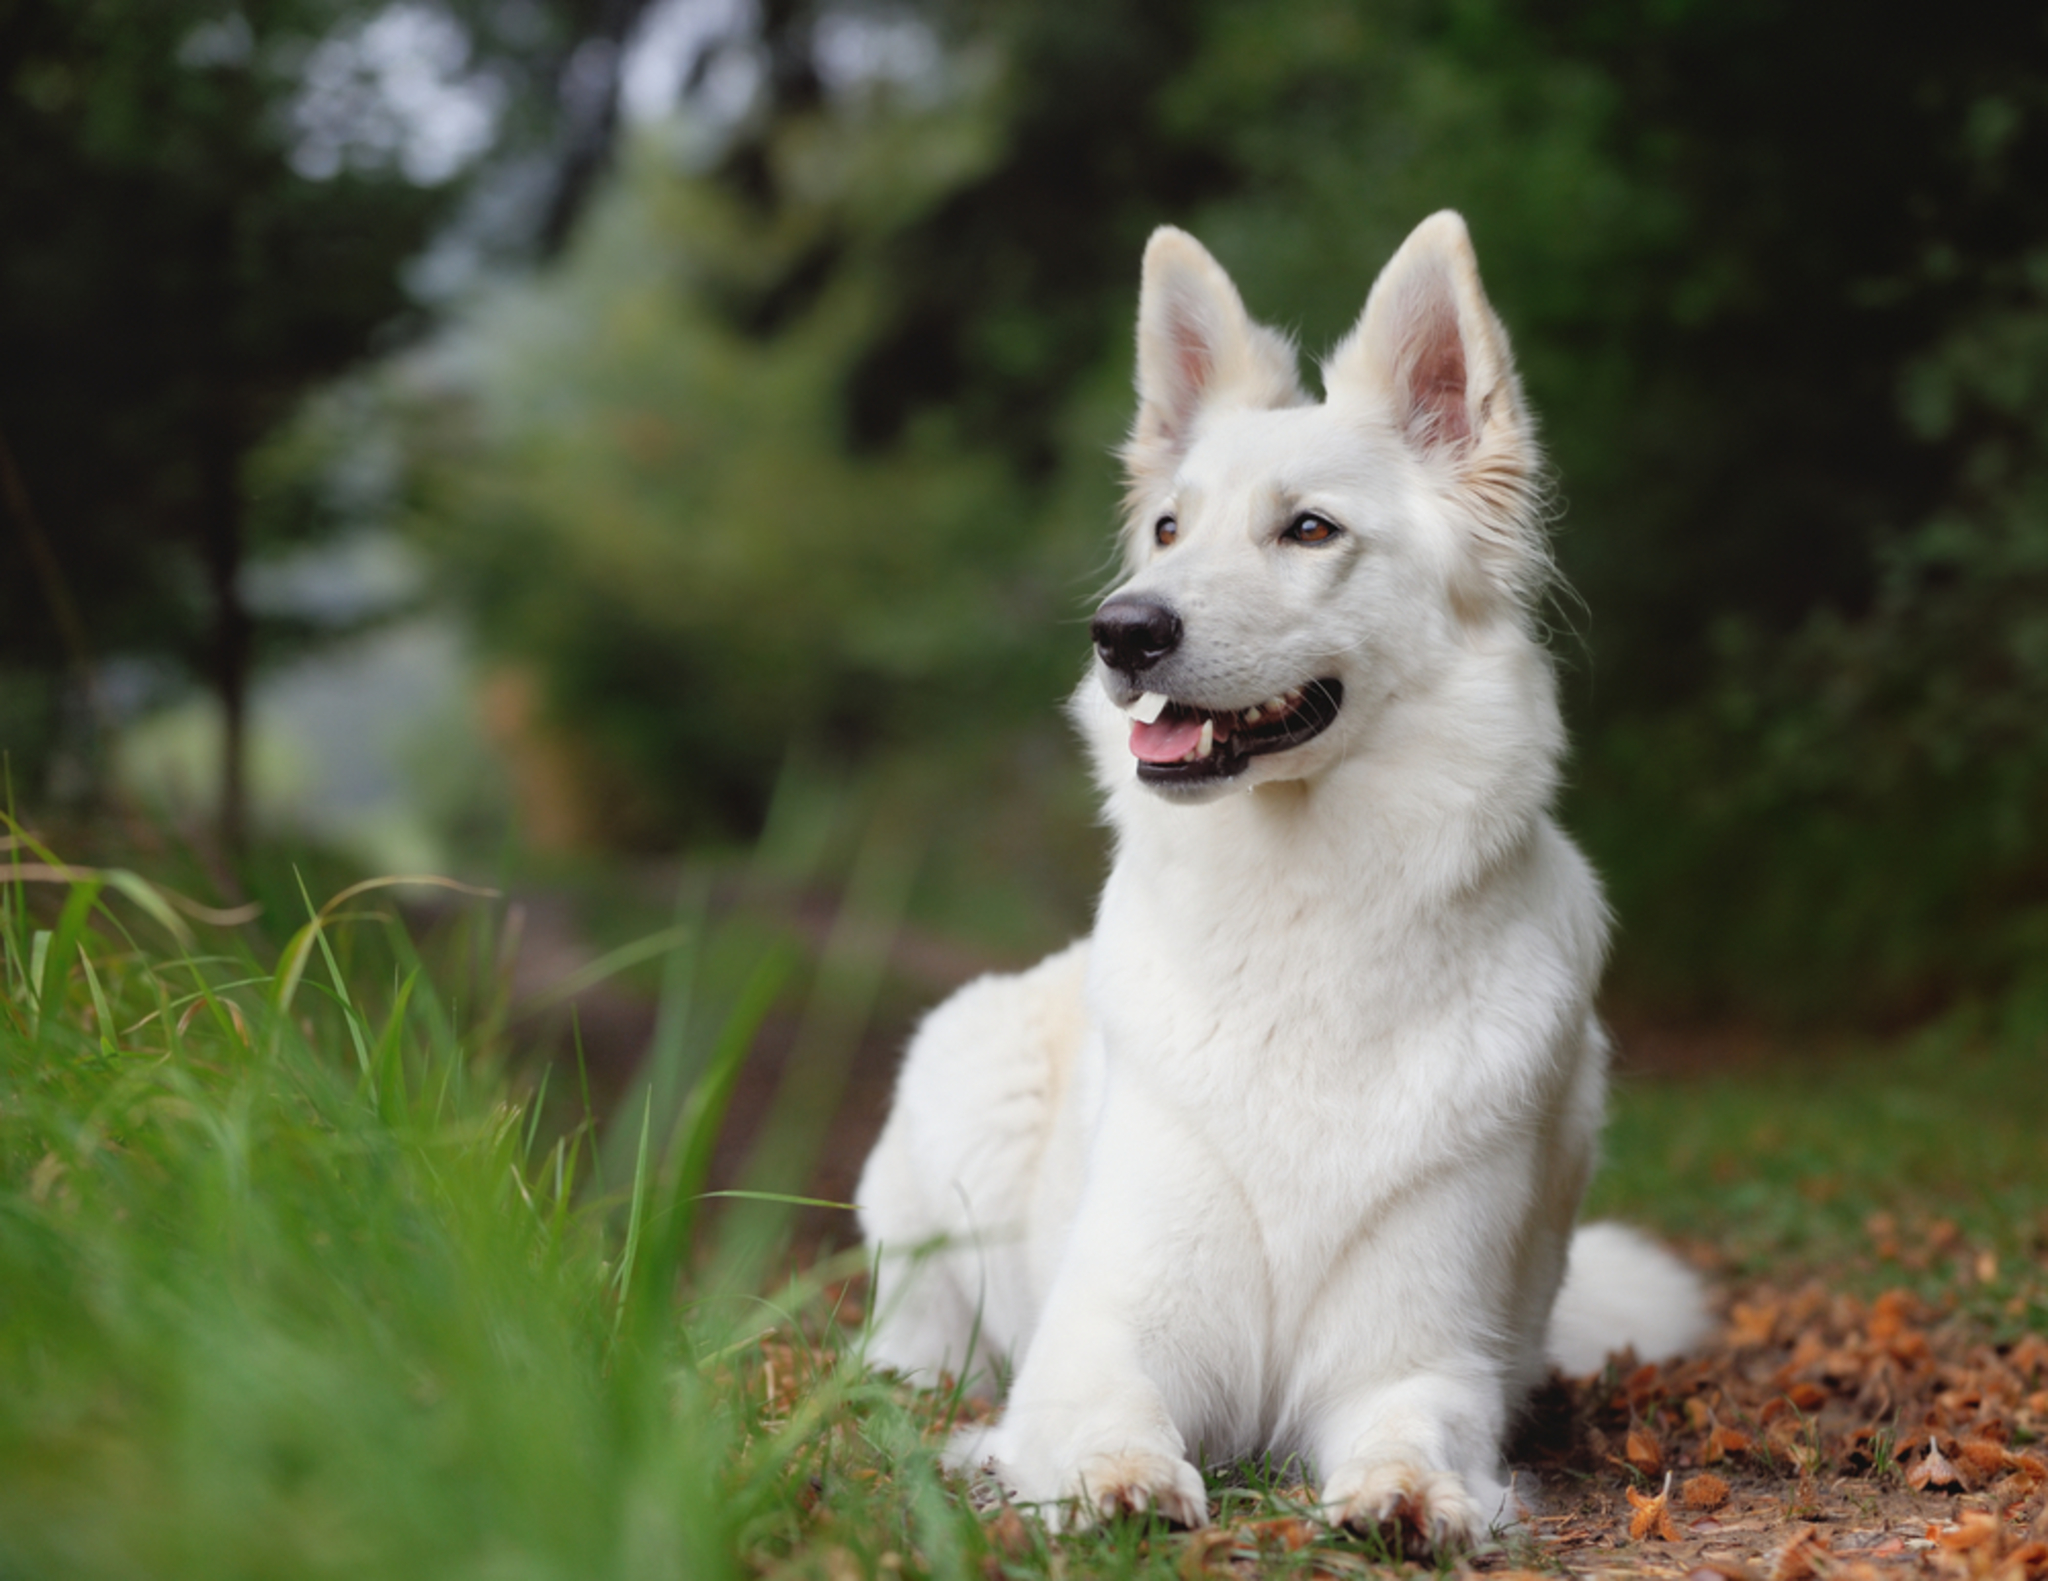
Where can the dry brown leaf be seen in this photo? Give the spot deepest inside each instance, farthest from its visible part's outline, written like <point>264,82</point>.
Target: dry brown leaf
<point>1652,1514</point>
<point>1807,1396</point>
<point>1644,1452</point>
<point>1212,1543</point>
<point>1751,1324</point>
<point>1973,1529</point>
<point>1981,1459</point>
<point>1934,1471</point>
<point>1287,1532</point>
<point>1806,1555</point>
<point>1723,1442</point>
<point>2030,1560</point>
<point>1007,1533</point>
<point>1890,1313</point>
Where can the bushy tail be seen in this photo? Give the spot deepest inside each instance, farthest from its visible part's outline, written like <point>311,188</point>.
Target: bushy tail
<point>1623,1290</point>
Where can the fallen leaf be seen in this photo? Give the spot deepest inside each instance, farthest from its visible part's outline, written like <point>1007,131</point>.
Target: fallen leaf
<point>1934,1471</point>
<point>1973,1529</point>
<point>1981,1459</point>
<point>1007,1533</point>
<point>1287,1532</point>
<point>1644,1452</point>
<point>1214,1542</point>
<point>1653,1514</point>
<point>1725,1441</point>
<point>1890,1314</point>
<point>2030,1559</point>
<point>1806,1555</point>
<point>1807,1396</point>
<point>1751,1324</point>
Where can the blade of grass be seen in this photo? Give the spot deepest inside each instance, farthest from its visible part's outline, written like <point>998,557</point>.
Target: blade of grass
<point>62,945</point>
<point>387,1085</point>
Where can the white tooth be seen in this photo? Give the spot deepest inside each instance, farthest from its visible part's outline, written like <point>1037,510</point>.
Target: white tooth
<point>1208,741</point>
<point>1147,709</point>
<point>1273,705</point>
<point>1251,714</point>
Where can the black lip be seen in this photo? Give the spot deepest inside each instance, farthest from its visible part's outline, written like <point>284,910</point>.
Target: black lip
<point>1320,701</point>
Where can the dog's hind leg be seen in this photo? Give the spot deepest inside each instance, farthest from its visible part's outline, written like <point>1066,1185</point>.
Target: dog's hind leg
<point>947,1194</point>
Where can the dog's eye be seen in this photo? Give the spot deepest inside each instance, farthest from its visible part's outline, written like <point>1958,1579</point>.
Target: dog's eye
<point>1311,528</point>
<point>1165,531</point>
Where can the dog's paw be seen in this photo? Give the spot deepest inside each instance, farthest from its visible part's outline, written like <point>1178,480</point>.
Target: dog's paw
<point>1138,1482</point>
<point>1415,1511</point>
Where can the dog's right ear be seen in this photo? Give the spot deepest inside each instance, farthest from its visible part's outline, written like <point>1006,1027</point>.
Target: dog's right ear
<point>1197,349</point>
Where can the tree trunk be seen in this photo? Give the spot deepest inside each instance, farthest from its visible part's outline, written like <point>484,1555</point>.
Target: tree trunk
<point>220,445</point>
<point>230,643</point>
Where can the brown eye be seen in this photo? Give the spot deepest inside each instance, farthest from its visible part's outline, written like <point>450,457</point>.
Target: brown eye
<point>1311,528</point>
<point>1165,531</point>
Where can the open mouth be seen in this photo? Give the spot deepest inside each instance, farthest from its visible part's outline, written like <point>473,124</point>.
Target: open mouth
<point>1184,745</point>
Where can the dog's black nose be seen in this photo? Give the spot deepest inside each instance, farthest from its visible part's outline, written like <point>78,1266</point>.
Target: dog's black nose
<point>1133,633</point>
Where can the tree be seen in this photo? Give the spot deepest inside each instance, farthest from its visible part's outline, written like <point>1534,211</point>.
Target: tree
<point>1776,285</point>
<point>208,217</point>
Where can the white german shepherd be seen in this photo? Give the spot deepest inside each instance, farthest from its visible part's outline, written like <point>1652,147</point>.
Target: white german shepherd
<point>1286,1156</point>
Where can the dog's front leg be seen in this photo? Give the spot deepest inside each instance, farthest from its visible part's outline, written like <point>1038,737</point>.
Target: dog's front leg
<point>1418,1459</point>
<point>1087,1434</point>
<point>1089,1431</point>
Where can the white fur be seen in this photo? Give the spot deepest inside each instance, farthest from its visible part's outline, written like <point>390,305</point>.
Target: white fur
<point>1286,1156</point>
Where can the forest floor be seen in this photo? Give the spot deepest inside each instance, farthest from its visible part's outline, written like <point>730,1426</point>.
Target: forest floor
<point>1875,1402</point>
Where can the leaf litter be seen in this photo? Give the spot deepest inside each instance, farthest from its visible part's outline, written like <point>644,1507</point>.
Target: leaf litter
<point>1822,1434</point>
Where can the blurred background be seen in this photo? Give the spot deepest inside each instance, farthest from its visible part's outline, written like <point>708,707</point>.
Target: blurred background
<point>569,443</point>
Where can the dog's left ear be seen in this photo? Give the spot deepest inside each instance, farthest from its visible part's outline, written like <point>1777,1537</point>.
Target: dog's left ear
<point>1198,350</point>
<point>1430,348</point>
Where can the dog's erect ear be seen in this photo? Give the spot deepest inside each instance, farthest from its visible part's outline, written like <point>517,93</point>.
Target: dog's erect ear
<point>1430,347</point>
<point>1197,350</point>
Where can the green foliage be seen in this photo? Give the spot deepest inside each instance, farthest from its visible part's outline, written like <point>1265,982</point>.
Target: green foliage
<point>294,1285</point>
<point>1881,769</point>
<point>799,452</point>
<point>1868,1164</point>
<point>209,244</point>
<point>661,508</point>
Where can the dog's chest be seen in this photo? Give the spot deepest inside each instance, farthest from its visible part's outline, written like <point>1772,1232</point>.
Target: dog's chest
<point>1320,1033</point>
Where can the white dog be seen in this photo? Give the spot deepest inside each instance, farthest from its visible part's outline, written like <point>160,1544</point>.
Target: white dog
<point>1286,1156</point>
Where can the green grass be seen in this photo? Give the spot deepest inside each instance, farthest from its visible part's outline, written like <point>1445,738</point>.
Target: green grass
<point>291,1285</point>
<point>1920,1161</point>
<point>299,1279</point>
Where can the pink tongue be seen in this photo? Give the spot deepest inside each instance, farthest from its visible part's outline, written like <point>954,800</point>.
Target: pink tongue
<point>1167,739</point>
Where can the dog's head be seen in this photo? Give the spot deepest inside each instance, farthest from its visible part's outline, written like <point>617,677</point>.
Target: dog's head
<point>1292,565</point>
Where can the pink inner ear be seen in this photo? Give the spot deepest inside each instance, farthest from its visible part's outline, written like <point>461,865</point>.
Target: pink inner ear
<point>1193,364</point>
<point>1435,379</point>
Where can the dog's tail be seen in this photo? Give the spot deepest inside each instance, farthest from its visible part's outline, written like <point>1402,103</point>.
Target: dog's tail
<point>1623,1291</point>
